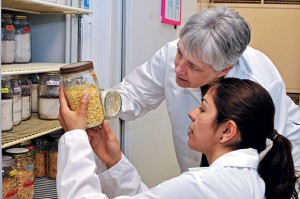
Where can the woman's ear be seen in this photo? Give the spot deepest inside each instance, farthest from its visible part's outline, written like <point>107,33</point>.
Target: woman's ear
<point>230,132</point>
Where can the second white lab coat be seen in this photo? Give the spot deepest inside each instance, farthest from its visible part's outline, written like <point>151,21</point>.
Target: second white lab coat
<point>231,175</point>
<point>147,86</point>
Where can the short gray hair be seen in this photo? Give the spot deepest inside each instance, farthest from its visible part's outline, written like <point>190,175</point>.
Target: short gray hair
<point>217,36</point>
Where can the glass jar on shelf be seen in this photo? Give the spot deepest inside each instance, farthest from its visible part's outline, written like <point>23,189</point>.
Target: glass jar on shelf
<point>35,80</point>
<point>52,154</point>
<point>28,145</point>
<point>48,95</point>
<point>24,174</point>
<point>26,96</point>
<point>40,157</point>
<point>6,103</point>
<point>7,39</point>
<point>22,39</point>
<point>9,180</point>
<point>80,78</point>
<point>17,100</point>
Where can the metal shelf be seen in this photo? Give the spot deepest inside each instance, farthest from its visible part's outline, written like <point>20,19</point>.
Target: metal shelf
<point>28,130</point>
<point>41,7</point>
<point>32,67</point>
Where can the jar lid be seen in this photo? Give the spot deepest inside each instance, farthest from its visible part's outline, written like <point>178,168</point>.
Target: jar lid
<point>7,16</point>
<point>112,102</point>
<point>17,151</point>
<point>20,17</point>
<point>77,67</point>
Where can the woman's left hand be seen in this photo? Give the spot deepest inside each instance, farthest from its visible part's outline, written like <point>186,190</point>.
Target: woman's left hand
<point>69,119</point>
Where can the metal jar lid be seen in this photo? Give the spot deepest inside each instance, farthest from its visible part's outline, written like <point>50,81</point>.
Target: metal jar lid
<point>111,102</point>
<point>77,67</point>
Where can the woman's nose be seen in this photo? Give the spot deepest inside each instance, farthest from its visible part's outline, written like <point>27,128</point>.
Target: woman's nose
<point>180,65</point>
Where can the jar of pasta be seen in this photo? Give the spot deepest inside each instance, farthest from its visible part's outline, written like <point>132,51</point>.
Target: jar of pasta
<point>9,180</point>
<point>24,174</point>
<point>80,78</point>
<point>6,104</point>
<point>48,95</point>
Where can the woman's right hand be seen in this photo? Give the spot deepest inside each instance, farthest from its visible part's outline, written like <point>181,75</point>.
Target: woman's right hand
<point>105,144</point>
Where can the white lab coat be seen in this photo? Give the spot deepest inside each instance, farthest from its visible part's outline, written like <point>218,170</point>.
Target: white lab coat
<point>231,175</point>
<point>147,86</point>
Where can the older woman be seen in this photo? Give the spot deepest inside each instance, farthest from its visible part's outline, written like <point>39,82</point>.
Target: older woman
<point>231,127</point>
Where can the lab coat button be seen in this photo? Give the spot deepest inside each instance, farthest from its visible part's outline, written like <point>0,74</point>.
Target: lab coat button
<point>196,159</point>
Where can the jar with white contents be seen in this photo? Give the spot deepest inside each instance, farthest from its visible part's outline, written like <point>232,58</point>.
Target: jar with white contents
<point>6,104</point>
<point>22,39</point>
<point>80,78</point>
<point>7,39</point>
<point>17,100</point>
<point>26,96</point>
<point>48,95</point>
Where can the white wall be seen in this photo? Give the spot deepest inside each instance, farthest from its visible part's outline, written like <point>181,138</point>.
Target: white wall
<point>148,140</point>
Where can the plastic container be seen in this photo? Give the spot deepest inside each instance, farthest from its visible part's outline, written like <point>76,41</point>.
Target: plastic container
<point>48,95</point>
<point>80,78</point>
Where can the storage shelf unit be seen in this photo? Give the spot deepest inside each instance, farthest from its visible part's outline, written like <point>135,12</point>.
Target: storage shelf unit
<point>34,127</point>
<point>41,7</point>
<point>29,129</point>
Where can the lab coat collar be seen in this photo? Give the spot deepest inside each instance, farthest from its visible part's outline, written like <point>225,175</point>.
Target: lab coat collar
<point>238,158</point>
<point>196,93</point>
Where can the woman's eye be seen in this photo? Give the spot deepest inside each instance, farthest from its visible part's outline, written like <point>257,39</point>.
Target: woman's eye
<point>201,109</point>
<point>192,66</point>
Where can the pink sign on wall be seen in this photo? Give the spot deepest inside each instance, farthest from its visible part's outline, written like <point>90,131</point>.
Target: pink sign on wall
<point>171,12</point>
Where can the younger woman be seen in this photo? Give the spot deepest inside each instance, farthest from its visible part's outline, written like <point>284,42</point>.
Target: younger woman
<point>231,127</point>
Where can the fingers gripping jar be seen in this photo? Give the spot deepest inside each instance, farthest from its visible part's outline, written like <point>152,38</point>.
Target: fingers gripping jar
<point>80,78</point>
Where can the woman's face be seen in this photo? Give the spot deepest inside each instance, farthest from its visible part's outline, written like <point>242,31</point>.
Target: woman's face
<point>203,129</point>
<point>192,73</point>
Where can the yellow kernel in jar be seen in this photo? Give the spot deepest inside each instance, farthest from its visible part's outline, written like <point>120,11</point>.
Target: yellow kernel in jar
<point>74,94</point>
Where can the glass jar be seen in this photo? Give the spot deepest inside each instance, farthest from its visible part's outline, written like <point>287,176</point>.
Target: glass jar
<point>48,95</point>
<point>7,39</point>
<point>24,167</point>
<point>28,145</point>
<point>26,96</point>
<point>80,78</point>
<point>52,155</point>
<point>35,80</point>
<point>6,103</point>
<point>40,157</point>
<point>22,39</point>
<point>9,180</point>
<point>17,100</point>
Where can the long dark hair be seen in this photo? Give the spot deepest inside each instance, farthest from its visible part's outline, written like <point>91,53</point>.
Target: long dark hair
<point>251,107</point>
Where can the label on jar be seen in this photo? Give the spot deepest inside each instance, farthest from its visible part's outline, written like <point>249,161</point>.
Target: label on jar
<point>28,183</point>
<point>30,167</point>
<point>52,83</point>
<point>11,194</point>
<point>4,90</point>
<point>26,29</point>
<point>17,89</point>
<point>9,27</point>
<point>13,172</point>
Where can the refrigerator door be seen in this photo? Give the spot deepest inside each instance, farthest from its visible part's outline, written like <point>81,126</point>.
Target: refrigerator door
<point>147,141</point>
